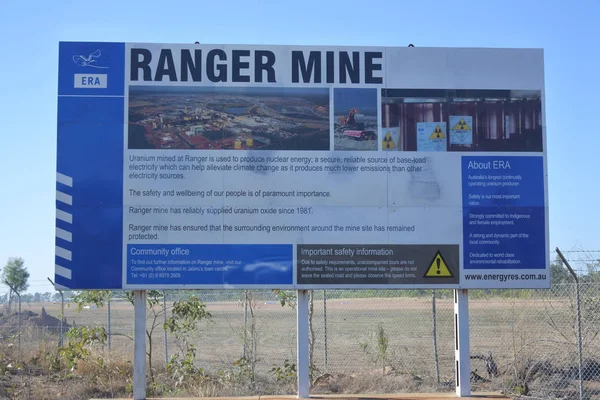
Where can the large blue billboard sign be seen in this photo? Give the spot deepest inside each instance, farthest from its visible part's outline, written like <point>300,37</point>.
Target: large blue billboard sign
<point>297,167</point>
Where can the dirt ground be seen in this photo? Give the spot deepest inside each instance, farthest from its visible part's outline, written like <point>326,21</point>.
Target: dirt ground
<point>342,142</point>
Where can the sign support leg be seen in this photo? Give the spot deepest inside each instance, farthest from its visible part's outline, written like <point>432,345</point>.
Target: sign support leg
<point>139,345</point>
<point>461,342</point>
<point>302,351</point>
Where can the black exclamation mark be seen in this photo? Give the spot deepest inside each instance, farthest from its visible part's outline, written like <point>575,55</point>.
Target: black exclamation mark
<point>437,261</point>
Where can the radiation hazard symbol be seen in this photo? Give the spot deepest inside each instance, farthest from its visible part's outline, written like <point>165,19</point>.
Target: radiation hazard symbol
<point>461,126</point>
<point>438,268</point>
<point>388,142</point>
<point>437,133</point>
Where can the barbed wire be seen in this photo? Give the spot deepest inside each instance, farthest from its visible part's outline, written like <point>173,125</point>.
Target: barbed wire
<point>581,251</point>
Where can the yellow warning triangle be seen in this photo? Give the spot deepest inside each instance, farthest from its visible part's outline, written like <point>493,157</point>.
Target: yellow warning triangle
<point>461,126</point>
<point>388,142</point>
<point>437,133</point>
<point>438,268</point>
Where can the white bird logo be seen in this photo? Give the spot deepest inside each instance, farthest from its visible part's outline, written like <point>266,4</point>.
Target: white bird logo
<point>88,61</point>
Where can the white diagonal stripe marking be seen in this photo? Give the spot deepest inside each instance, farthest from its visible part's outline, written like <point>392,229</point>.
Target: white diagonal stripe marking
<point>65,198</point>
<point>65,180</point>
<point>64,216</point>
<point>64,235</point>
<point>63,253</point>
<point>62,271</point>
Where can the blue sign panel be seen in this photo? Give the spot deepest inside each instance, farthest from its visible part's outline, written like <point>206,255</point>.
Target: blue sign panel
<point>89,192</point>
<point>504,213</point>
<point>211,265</point>
<point>92,69</point>
<point>299,167</point>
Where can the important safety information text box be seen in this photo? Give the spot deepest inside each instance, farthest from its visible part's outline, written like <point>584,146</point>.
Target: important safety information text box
<point>377,265</point>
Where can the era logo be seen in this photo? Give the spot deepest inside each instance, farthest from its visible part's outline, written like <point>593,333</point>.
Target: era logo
<point>91,81</point>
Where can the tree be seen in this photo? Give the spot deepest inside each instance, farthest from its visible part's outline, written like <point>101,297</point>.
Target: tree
<point>559,274</point>
<point>593,271</point>
<point>186,313</point>
<point>15,276</point>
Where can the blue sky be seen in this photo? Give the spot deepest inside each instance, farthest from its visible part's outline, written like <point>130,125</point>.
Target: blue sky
<point>30,32</point>
<point>363,99</point>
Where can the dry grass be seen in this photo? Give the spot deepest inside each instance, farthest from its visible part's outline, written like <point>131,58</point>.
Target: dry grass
<point>516,331</point>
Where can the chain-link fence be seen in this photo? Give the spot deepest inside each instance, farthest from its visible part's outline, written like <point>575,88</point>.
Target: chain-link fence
<point>522,342</point>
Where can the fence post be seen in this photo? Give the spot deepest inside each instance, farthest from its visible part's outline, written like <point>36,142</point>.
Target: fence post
<point>19,296</point>
<point>108,316</point>
<point>579,338</point>
<point>435,349</point>
<point>165,321</point>
<point>325,325</point>
<point>245,324</point>
<point>62,312</point>
<point>62,317</point>
<point>19,317</point>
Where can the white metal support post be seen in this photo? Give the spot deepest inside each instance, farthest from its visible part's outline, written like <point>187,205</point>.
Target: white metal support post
<point>302,337</point>
<point>139,345</point>
<point>461,343</point>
